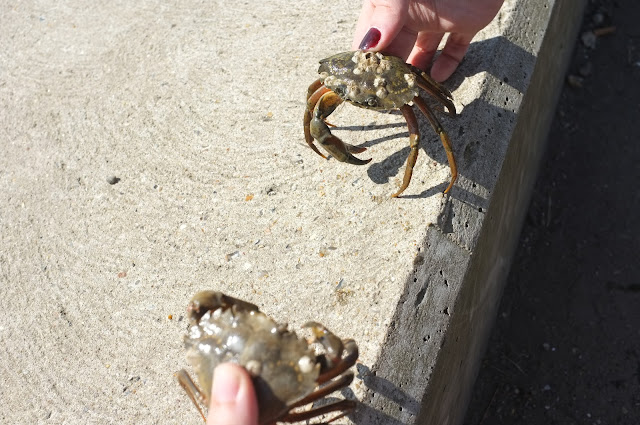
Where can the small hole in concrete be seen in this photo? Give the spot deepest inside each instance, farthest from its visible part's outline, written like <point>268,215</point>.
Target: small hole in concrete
<point>480,209</point>
<point>446,283</point>
<point>446,311</point>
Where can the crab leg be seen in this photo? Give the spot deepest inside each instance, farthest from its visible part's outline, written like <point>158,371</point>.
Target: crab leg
<point>313,87</point>
<point>443,137</point>
<point>332,386</point>
<point>192,390</point>
<point>342,405</point>
<point>319,130</point>
<point>414,144</point>
<point>435,89</point>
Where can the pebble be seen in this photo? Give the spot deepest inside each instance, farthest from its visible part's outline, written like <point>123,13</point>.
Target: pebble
<point>588,39</point>
<point>575,81</point>
<point>233,255</point>
<point>598,18</point>
<point>113,180</point>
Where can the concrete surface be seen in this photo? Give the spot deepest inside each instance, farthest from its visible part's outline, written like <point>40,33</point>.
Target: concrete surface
<point>196,109</point>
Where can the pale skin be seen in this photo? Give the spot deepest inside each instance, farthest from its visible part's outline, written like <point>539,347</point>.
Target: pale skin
<point>413,29</point>
<point>233,399</point>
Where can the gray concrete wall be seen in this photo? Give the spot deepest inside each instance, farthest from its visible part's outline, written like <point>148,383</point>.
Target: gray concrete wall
<point>449,304</point>
<point>197,109</point>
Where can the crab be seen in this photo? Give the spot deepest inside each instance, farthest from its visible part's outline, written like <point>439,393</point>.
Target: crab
<point>373,81</point>
<point>286,372</point>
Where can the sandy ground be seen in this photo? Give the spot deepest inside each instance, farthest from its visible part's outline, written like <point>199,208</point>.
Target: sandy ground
<point>566,347</point>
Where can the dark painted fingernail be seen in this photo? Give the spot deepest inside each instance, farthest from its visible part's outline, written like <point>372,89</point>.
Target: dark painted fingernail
<point>370,40</point>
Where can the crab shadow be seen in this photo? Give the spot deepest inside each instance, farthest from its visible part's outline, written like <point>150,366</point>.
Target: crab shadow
<point>476,134</point>
<point>365,413</point>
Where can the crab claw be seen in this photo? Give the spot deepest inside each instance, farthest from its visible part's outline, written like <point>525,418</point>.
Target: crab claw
<point>331,343</point>
<point>319,130</point>
<point>339,355</point>
<point>340,150</point>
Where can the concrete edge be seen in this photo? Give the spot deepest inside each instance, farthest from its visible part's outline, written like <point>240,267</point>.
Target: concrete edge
<point>469,278</point>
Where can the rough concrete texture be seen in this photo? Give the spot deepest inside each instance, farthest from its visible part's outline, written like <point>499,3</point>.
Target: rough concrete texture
<point>196,109</point>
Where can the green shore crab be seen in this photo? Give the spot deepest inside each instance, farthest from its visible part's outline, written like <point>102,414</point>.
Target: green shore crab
<point>286,372</point>
<point>373,81</point>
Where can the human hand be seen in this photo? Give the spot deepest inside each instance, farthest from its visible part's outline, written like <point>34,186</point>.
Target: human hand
<point>233,400</point>
<point>413,29</point>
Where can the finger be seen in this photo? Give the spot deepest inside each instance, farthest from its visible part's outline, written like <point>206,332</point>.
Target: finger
<point>425,48</point>
<point>451,56</point>
<point>362,26</point>
<point>233,400</point>
<point>388,17</point>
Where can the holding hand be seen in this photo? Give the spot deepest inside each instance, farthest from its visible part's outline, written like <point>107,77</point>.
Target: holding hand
<point>413,29</point>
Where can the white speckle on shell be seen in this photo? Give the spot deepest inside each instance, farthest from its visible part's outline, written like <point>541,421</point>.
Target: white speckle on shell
<point>254,367</point>
<point>385,65</point>
<point>305,364</point>
<point>382,93</point>
<point>330,80</point>
<point>411,79</point>
<point>379,82</point>
<point>357,71</point>
<point>324,75</point>
<point>235,344</point>
<point>204,348</point>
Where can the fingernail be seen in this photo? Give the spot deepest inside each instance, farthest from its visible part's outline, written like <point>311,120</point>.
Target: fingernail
<point>370,40</point>
<point>226,384</point>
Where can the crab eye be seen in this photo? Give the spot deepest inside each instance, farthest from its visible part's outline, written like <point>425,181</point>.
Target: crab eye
<point>372,101</point>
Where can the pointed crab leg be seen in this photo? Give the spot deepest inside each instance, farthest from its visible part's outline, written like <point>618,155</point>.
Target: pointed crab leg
<point>332,386</point>
<point>414,144</point>
<point>338,406</point>
<point>319,130</point>
<point>313,87</point>
<point>443,137</point>
<point>192,391</point>
<point>435,89</point>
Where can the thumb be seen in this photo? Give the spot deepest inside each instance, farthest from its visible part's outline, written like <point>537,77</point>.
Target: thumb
<point>233,400</point>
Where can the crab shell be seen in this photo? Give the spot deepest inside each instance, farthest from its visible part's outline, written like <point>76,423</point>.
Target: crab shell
<point>283,367</point>
<point>369,80</point>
